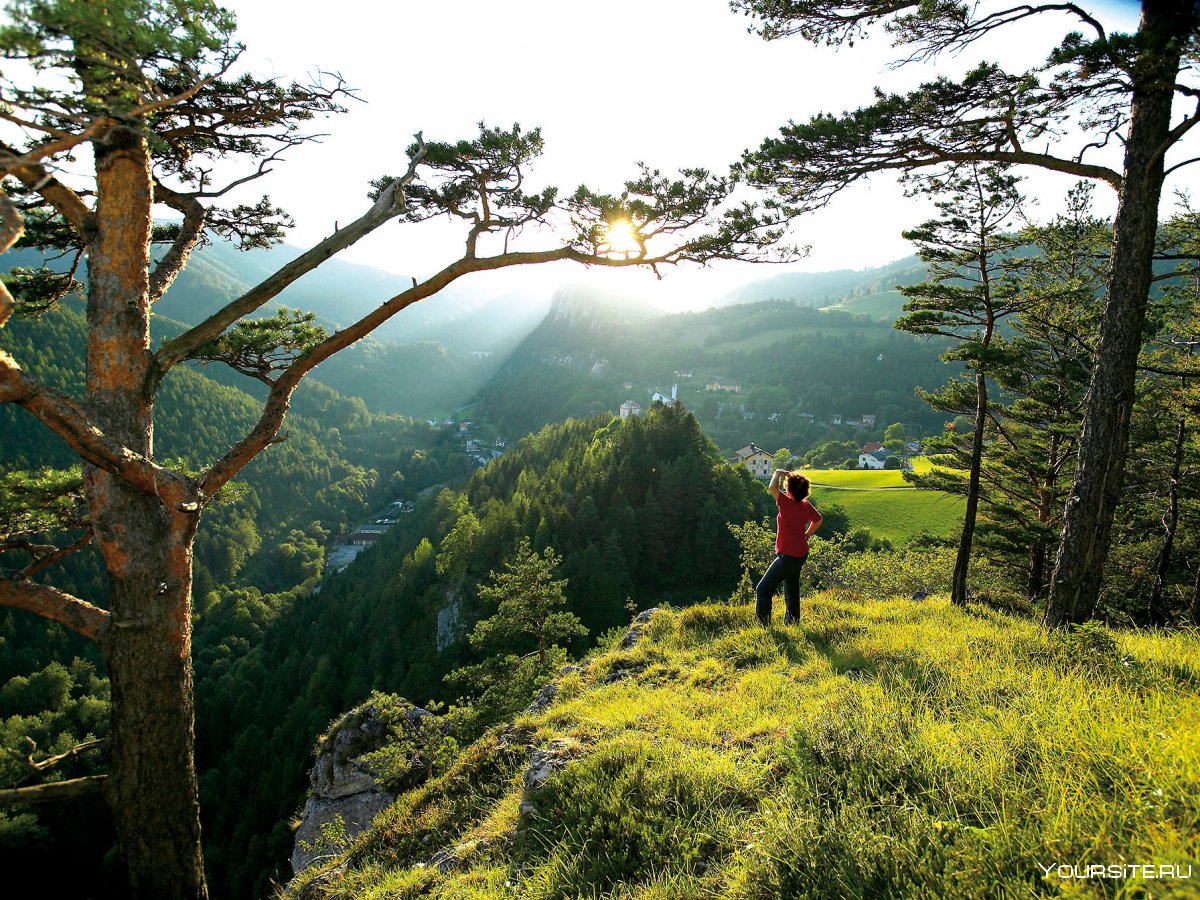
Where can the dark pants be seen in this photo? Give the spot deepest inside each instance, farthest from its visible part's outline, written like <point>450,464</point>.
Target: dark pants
<point>787,570</point>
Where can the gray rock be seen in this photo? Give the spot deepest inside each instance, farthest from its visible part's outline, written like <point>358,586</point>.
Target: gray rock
<point>343,785</point>
<point>546,762</point>
<point>356,812</point>
<point>312,888</point>
<point>543,700</point>
<point>450,627</point>
<point>634,634</point>
<point>451,859</point>
<point>620,675</point>
<point>445,861</point>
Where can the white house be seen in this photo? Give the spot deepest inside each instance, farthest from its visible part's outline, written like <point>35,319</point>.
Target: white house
<point>873,460</point>
<point>757,460</point>
<point>630,408</point>
<point>660,397</point>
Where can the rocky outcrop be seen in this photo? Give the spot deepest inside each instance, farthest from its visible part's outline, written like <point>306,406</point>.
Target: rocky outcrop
<point>634,634</point>
<point>345,785</point>
<point>544,763</point>
<point>450,626</point>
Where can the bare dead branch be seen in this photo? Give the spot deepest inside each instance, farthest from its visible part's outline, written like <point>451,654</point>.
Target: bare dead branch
<point>63,141</point>
<point>36,178</point>
<point>36,767</point>
<point>56,555</point>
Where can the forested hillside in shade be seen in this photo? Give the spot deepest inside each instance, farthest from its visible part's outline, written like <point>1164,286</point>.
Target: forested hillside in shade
<point>638,510</point>
<point>427,360</point>
<point>339,292</point>
<point>337,463</point>
<point>789,360</point>
<point>338,459</point>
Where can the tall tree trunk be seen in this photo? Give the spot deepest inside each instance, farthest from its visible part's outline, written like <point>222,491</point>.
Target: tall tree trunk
<point>147,550</point>
<point>1037,569</point>
<point>1158,612</point>
<point>962,562</point>
<point>1038,551</point>
<point>1196,598</point>
<point>1087,521</point>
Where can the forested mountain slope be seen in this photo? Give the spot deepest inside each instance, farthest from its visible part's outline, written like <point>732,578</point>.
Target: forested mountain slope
<point>426,361</point>
<point>796,369</point>
<point>868,292</point>
<point>637,510</point>
<point>337,463</point>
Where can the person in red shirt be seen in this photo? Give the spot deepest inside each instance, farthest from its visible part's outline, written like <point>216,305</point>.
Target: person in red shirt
<point>797,519</point>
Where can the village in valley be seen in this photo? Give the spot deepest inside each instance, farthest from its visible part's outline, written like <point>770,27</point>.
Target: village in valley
<point>345,548</point>
<point>760,462</point>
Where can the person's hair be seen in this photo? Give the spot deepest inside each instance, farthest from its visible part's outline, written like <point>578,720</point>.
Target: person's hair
<point>797,485</point>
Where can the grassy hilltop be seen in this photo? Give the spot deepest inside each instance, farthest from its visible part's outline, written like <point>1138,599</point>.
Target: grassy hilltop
<point>879,749</point>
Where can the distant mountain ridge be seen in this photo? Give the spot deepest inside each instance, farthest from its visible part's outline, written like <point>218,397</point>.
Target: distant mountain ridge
<point>339,292</point>
<point>870,292</point>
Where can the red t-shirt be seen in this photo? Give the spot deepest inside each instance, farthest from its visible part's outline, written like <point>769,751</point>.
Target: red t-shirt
<point>791,524</point>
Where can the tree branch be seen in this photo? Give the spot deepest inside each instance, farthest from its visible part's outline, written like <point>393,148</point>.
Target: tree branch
<point>279,398</point>
<point>389,205</point>
<point>36,768</point>
<point>57,790</point>
<point>63,415</point>
<point>35,178</point>
<point>58,606</point>
<point>12,226</point>
<point>190,234</point>
<point>43,556</point>
<point>63,140</point>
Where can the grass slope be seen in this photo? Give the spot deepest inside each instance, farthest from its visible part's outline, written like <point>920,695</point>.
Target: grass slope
<point>879,749</point>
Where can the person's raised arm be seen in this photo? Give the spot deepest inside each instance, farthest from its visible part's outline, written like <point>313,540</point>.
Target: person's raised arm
<point>773,487</point>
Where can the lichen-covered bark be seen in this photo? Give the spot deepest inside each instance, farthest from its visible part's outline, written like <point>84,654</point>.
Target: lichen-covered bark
<point>146,543</point>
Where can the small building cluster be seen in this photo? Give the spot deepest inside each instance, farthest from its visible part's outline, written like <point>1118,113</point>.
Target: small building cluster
<point>873,455</point>
<point>633,408</point>
<point>476,449</point>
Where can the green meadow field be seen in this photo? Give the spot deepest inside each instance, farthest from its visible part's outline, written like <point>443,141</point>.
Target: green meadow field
<point>881,501</point>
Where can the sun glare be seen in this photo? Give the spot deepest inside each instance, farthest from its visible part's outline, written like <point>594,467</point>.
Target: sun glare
<point>621,237</point>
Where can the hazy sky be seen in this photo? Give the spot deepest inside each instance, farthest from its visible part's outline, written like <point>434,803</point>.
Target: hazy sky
<point>670,82</point>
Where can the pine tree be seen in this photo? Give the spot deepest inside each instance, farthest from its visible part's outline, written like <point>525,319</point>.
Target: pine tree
<point>1112,88</point>
<point>1060,277</point>
<point>965,297</point>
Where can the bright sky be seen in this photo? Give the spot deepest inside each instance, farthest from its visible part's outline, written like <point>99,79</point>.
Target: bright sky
<point>671,82</point>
